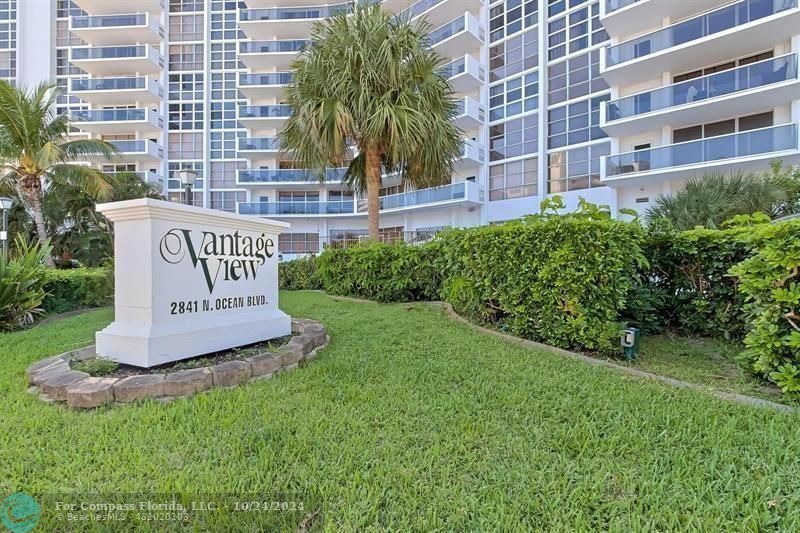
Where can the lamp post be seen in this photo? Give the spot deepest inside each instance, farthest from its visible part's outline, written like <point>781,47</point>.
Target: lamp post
<point>188,178</point>
<point>5,207</point>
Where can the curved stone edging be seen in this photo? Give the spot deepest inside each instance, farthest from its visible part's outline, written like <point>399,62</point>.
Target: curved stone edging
<point>728,396</point>
<point>55,381</point>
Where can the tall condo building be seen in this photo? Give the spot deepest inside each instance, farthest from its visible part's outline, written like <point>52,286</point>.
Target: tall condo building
<point>615,101</point>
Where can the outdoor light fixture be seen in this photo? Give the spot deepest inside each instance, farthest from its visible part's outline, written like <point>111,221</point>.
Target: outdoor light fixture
<point>5,207</point>
<point>188,178</point>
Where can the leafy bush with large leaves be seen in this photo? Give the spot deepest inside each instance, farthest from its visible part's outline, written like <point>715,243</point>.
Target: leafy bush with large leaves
<point>770,281</point>
<point>22,285</point>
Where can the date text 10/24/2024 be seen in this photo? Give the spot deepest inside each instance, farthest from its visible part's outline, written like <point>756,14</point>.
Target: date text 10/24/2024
<point>216,304</point>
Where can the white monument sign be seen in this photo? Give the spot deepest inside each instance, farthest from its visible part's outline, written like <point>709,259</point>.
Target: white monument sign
<point>190,281</point>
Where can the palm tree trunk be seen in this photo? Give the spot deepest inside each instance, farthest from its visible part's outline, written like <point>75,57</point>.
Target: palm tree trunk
<point>373,170</point>
<point>33,192</point>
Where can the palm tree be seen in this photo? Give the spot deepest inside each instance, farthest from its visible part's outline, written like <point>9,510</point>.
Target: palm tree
<point>369,80</point>
<point>36,152</point>
<point>711,200</point>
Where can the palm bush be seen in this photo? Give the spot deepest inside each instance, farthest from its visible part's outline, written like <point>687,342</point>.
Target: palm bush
<point>371,81</point>
<point>22,281</point>
<point>711,200</point>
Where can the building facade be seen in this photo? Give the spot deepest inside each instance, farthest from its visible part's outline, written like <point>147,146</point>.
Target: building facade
<point>614,101</point>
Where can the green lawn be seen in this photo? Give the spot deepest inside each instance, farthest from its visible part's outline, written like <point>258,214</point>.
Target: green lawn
<point>410,421</point>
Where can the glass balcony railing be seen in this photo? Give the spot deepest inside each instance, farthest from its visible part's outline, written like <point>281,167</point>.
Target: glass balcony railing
<point>454,68</point>
<point>108,21</point>
<point>296,208</point>
<point>716,21</point>
<point>109,52</point>
<point>417,9</point>
<point>293,13</point>
<point>271,47</point>
<point>259,143</point>
<point>613,5</point>
<point>130,146</point>
<point>753,76</point>
<point>273,78</point>
<point>265,111</point>
<point>262,175</point>
<point>448,30</point>
<point>454,191</point>
<point>110,115</point>
<point>109,84</point>
<point>733,146</point>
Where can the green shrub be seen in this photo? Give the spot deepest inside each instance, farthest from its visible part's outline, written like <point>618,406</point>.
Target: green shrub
<point>21,285</point>
<point>561,280</point>
<point>770,281</point>
<point>78,288</point>
<point>299,274</point>
<point>382,272</point>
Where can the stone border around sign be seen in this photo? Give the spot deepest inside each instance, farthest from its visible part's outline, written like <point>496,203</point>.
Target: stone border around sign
<point>55,381</point>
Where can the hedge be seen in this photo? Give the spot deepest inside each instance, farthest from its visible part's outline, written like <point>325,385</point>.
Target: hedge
<point>299,274</point>
<point>77,288</point>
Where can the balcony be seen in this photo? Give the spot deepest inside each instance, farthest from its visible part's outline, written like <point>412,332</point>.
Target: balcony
<point>470,114</point>
<point>622,18</point>
<point>110,30</point>
<point>285,176</point>
<point>138,151</point>
<point>265,55</point>
<point>149,177</point>
<point>112,7</point>
<point>734,30</point>
<point>285,22</point>
<point>256,148</point>
<point>117,91</point>
<point>473,155</point>
<point>305,209</point>
<point>465,74</point>
<point>260,117</point>
<point>747,89</point>
<point>462,193</point>
<point>438,12</point>
<point>262,86</point>
<point>744,151</point>
<point>105,61</point>
<point>118,121</point>
<point>464,34</point>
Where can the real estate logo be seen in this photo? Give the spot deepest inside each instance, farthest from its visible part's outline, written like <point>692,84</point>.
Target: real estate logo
<point>221,257</point>
<point>19,512</point>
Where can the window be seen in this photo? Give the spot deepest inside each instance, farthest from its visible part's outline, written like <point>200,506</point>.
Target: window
<point>514,96</point>
<point>186,86</point>
<point>174,166</point>
<point>724,127</point>
<point>224,144</point>
<point>514,138</point>
<point>576,168</point>
<point>182,6</point>
<point>725,66</point>
<point>575,31</point>
<point>575,123</point>
<point>226,200</point>
<point>186,145</point>
<point>224,56</point>
<point>223,174</point>
<point>298,196</point>
<point>514,55</point>
<point>511,16</point>
<point>186,116</point>
<point>186,57</point>
<point>340,196</point>
<point>298,243</point>
<point>575,77</point>
<point>189,27</point>
<point>516,179</point>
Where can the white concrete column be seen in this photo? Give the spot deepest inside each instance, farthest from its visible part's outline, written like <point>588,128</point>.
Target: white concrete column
<point>36,42</point>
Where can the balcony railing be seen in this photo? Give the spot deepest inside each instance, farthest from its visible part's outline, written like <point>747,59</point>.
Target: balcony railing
<point>716,21</point>
<point>109,52</point>
<point>258,143</point>
<point>454,68</point>
<point>613,5</point>
<point>110,115</point>
<point>417,8</point>
<point>296,208</point>
<point>111,84</point>
<point>262,175</point>
<point>753,76</point>
<point>268,47</point>
<point>265,111</point>
<point>272,78</point>
<point>733,146</point>
<point>138,146</point>
<point>448,30</point>
<point>293,13</point>
<point>109,21</point>
<point>454,191</point>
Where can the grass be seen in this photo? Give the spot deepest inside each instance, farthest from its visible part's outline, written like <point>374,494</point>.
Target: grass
<point>410,421</point>
<point>705,361</point>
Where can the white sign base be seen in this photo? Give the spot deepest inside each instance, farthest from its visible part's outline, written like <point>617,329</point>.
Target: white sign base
<point>190,281</point>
